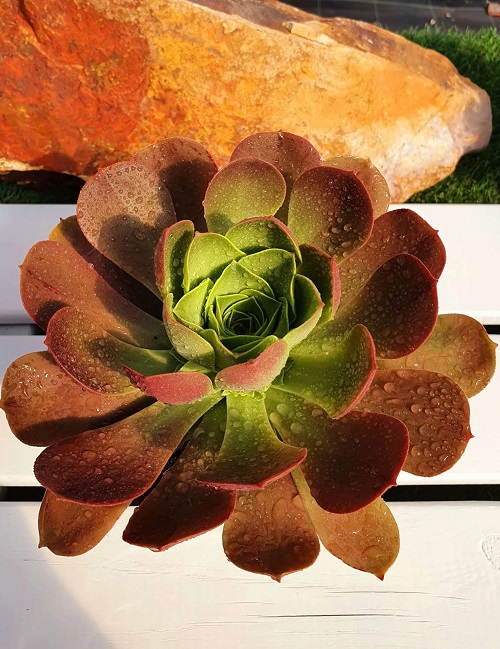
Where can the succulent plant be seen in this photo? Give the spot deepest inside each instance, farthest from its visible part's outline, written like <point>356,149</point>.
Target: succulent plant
<point>274,373</point>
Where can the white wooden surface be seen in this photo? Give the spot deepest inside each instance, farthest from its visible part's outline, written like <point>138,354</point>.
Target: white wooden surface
<point>443,592</point>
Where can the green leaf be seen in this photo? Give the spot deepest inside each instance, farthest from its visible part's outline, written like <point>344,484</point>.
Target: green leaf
<point>243,189</point>
<point>207,256</point>
<point>185,341</point>
<point>334,380</point>
<point>237,279</point>
<point>322,270</point>
<point>190,309</point>
<point>277,268</point>
<point>169,258</point>
<point>308,305</point>
<point>290,154</point>
<point>251,455</point>
<point>254,235</point>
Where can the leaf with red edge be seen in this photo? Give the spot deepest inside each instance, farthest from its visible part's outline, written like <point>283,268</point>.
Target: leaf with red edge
<point>458,347</point>
<point>371,178</point>
<point>432,407</point>
<point>251,455</point>
<point>335,380</point>
<point>396,232</point>
<point>185,168</point>
<point>244,189</point>
<point>118,463</point>
<point>322,270</point>
<point>254,235</point>
<point>290,154</point>
<point>269,532</point>
<point>94,358</point>
<point>68,232</point>
<point>170,253</point>
<point>350,461</point>
<point>179,507</point>
<point>69,529</point>
<point>330,209</point>
<point>53,276</point>
<point>308,306</point>
<point>122,211</point>
<point>367,539</point>
<point>176,388</point>
<point>398,306</point>
<point>185,341</point>
<point>256,374</point>
<point>37,413</point>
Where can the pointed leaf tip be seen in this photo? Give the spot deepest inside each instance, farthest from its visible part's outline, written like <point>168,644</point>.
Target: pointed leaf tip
<point>175,388</point>
<point>256,374</point>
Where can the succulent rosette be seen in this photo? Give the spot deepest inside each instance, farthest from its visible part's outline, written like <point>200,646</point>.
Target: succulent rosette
<point>257,346</point>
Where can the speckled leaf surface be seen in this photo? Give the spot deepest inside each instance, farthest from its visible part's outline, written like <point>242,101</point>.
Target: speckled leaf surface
<point>170,253</point>
<point>322,270</point>
<point>185,168</point>
<point>70,529</point>
<point>31,397</point>
<point>244,189</point>
<point>179,507</point>
<point>122,211</point>
<point>53,275</point>
<point>458,347</point>
<point>176,388</point>
<point>350,461</point>
<point>432,407</point>
<point>254,235</point>
<point>256,374</point>
<point>269,532</point>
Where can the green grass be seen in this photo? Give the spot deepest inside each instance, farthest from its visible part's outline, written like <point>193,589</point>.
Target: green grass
<point>476,55</point>
<point>477,177</point>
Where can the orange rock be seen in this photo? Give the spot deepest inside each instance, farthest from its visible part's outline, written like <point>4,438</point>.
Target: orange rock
<point>88,82</point>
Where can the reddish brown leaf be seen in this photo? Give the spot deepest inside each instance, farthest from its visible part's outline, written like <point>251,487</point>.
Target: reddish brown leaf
<point>350,461</point>
<point>269,532</point>
<point>398,306</point>
<point>185,168</point>
<point>122,211</point>
<point>367,539</point>
<point>330,209</point>
<point>179,507</point>
<point>396,232</point>
<point>53,276</point>
<point>458,347</point>
<point>371,178</point>
<point>115,464</point>
<point>432,407</point>
<point>44,405</point>
<point>68,232</point>
<point>94,358</point>
<point>69,529</point>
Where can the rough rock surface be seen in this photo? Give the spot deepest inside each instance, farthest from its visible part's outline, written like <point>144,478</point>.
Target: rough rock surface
<point>88,82</point>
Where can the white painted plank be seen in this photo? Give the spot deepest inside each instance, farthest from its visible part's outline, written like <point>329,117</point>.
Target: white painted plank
<point>21,226</point>
<point>443,592</point>
<point>480,463</point>
<point>471,235</point>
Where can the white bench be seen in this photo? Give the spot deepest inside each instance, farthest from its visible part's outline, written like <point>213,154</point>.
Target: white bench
<point>443,591</point>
